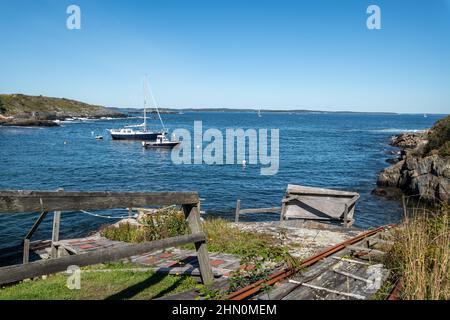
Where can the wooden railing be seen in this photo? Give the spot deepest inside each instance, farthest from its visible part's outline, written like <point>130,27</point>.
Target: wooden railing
<point>240,211</point>
<point>59,201</point>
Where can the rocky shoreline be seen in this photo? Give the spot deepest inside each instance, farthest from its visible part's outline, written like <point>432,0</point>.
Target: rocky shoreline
<point>47,119</point>
<point>417,171</point>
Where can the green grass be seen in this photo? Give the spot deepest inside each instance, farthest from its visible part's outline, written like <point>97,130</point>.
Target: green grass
<point>117,284</point>
<point>254,249</point>
<point>223,237</point>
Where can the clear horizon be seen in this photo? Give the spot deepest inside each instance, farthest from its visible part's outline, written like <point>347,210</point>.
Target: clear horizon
<point>281,55</point>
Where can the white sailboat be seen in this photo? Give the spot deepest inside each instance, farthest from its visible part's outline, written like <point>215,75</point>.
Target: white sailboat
<point>143,133</point>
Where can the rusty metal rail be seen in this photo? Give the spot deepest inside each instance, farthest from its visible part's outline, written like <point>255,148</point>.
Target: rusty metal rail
<point>285,273</point>
<point>395,293</point>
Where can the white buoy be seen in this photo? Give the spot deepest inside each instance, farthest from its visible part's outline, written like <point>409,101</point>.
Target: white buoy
<point>244,163</point>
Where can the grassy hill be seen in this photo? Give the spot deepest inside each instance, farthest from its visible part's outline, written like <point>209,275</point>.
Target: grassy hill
<point>19,105</point>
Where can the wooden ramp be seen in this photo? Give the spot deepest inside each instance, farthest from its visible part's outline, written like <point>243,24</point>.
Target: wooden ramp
<point>311,203</point>
<point>354,273</point>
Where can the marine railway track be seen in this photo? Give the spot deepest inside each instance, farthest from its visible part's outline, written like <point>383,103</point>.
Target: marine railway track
<point>352,269</point>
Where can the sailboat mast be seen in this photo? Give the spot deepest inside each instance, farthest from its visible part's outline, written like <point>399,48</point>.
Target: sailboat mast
<point>156,107</point>
<point>145,109</point>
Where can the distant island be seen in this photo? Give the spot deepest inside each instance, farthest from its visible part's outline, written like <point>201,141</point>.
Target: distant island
<point>27,110</point>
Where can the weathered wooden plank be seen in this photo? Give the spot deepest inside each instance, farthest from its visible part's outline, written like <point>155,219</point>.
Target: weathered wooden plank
<point>261,210</point>
<point>278,292</point>
<point>292,189</point>
<point>363,249</point>
<point>30,201</point>
<point>283,211</point>
<point>345,294</point>
<point>193,217</point>
<point>312,207</point>
<point>38,268</point>
<point>36,224</point>
<point>55,233</point>
<point>26,250</point>
<point>346,216</point>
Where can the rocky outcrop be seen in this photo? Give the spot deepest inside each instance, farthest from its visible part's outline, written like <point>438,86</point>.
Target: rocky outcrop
<point>417,172</point>
<point>28,123</point>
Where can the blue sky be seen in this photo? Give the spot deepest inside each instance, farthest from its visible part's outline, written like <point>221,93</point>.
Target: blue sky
<point>239,54</point>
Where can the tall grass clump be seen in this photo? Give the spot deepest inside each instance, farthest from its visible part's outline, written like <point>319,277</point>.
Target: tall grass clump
<point>421,255</point>
<point>164,223</point>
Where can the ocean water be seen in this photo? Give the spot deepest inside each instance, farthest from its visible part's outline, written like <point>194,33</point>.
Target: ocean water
<point>343,151</point>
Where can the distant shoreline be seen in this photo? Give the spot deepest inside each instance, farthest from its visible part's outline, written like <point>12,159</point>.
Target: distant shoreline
<point>246,110</point>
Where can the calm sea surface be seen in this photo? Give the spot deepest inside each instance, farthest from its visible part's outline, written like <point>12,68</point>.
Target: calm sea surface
<point>344,151</point>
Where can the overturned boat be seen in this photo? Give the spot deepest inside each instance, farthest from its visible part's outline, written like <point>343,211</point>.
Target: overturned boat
<point>312,203</point>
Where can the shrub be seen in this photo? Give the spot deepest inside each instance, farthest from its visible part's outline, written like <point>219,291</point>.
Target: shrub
<point>439,137</point>
<point>2,107</point>
<point>444,150</point>
<point>164,223</point>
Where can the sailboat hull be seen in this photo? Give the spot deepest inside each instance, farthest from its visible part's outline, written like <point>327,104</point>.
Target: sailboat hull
<point>147,136</point>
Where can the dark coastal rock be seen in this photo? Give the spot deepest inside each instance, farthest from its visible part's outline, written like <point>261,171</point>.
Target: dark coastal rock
<point>387,192</point>
<point>409,140</point>
<point>390,176</point>
<point>426,175</point>
<point>392,160</point>
<point>28,123</point>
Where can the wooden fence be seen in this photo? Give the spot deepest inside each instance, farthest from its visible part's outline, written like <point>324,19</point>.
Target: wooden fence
<point>59,201</point>
<point>240,211</point>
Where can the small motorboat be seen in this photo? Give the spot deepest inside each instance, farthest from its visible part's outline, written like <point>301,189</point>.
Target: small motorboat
<point>161,142</point>
<point>99,137</point>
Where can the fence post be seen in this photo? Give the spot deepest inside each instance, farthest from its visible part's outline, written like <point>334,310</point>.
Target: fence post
<point>27,240</point>
<point>193,217</point>
<point>346,216</point>
<point>55,233</point>
<point>238,208</point>
<point>26,251</point>
<point>283,208</point>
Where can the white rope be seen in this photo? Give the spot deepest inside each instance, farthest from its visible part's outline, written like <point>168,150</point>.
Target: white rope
<point>120,217</point>
<point>107,217</point>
